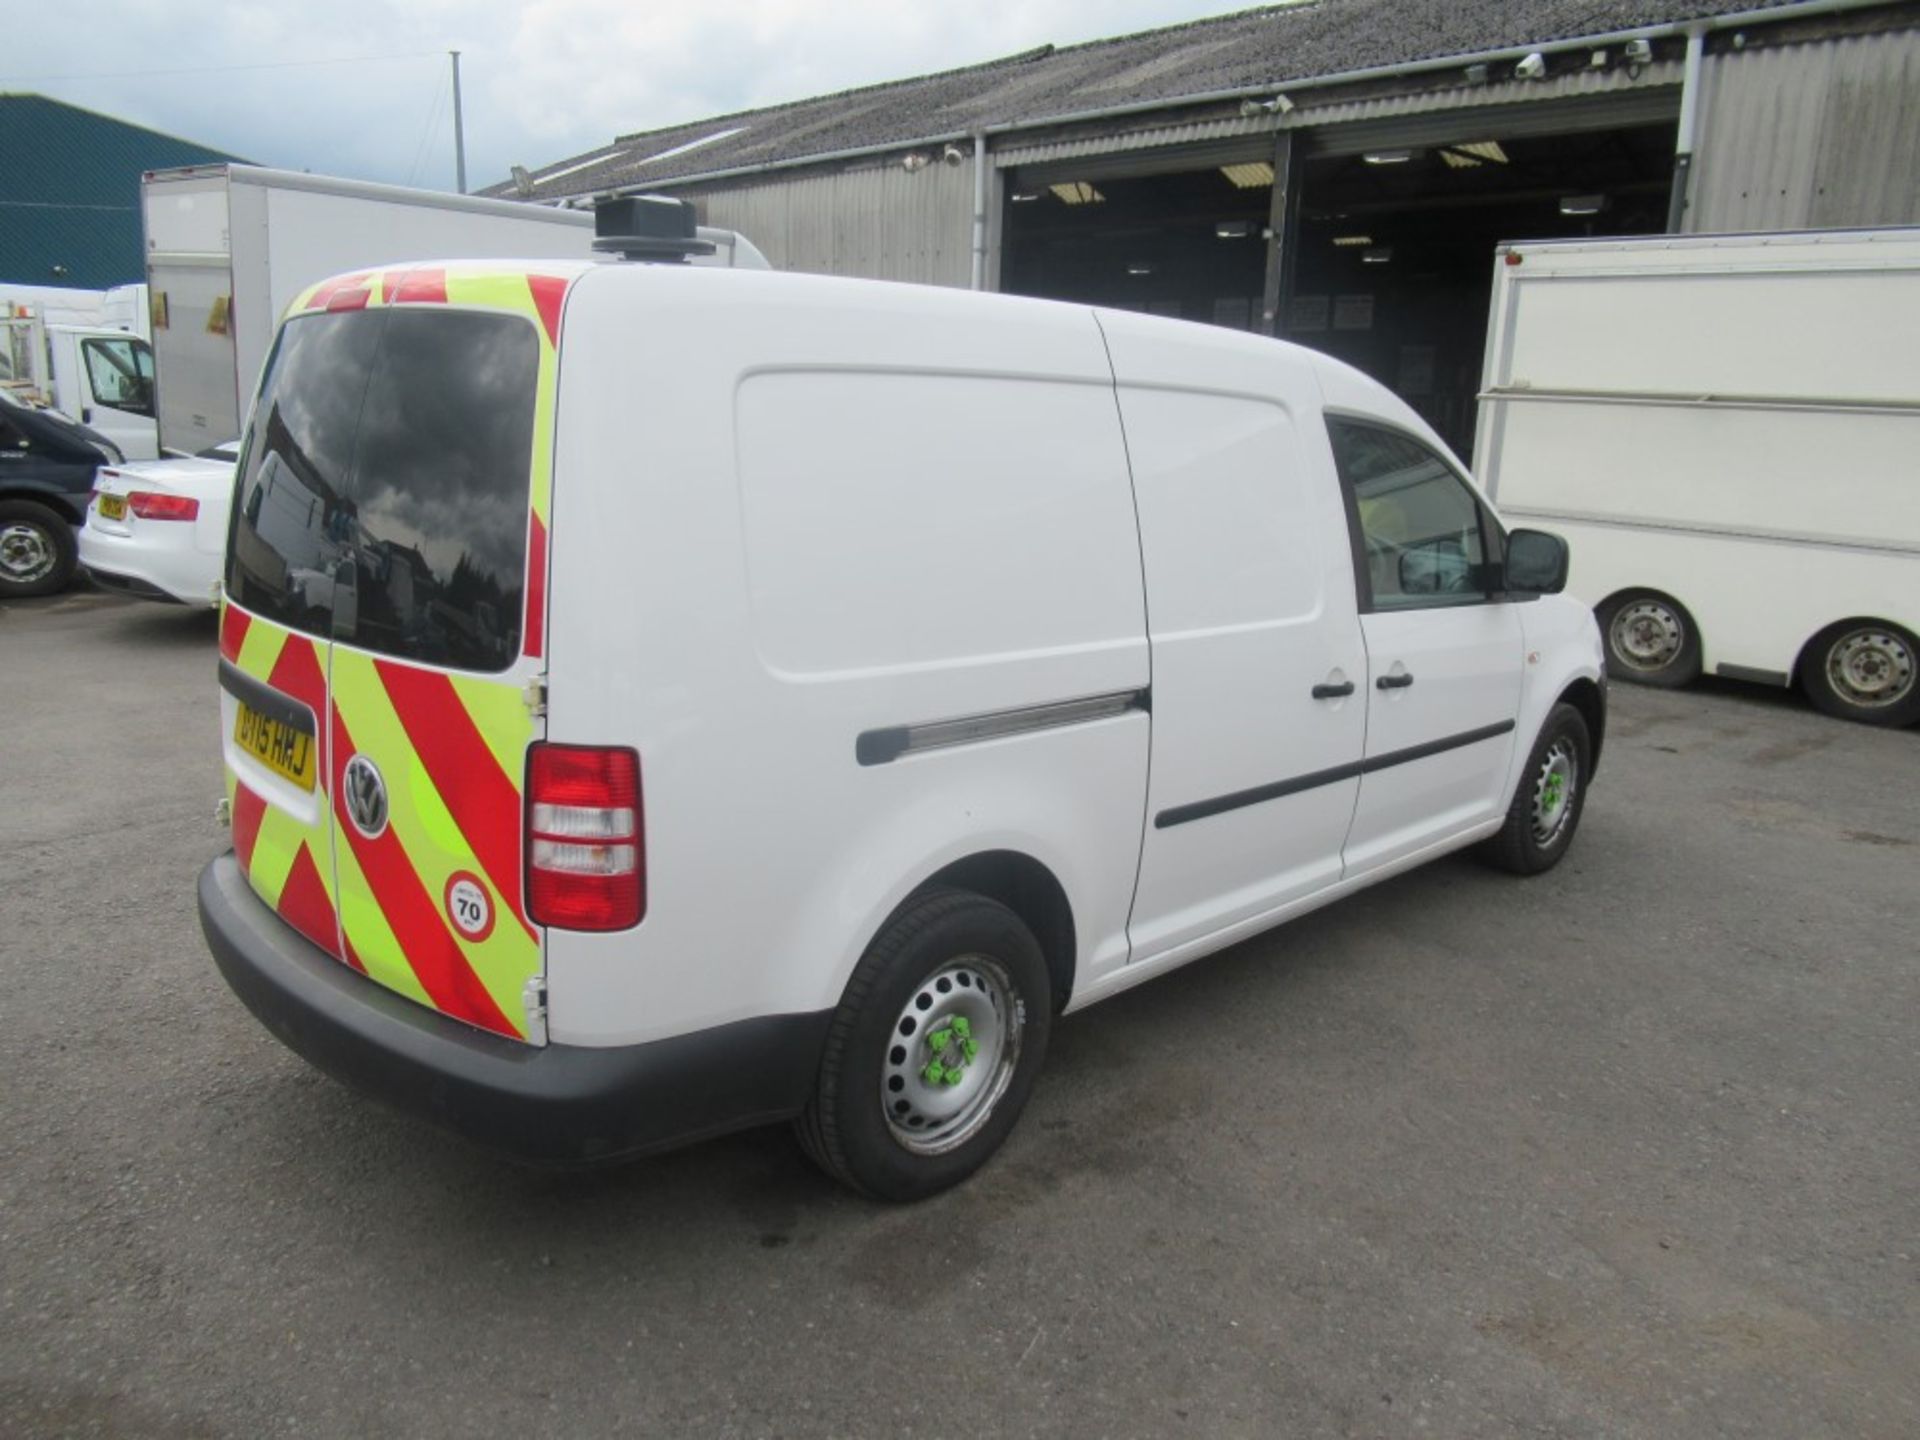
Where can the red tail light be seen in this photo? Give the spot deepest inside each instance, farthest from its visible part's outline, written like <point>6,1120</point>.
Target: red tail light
<point>586,845</point>
<point>151,505</point>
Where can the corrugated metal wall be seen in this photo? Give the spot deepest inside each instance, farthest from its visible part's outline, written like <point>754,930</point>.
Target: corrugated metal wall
<point>883,222</point>
<point>1810,136</point>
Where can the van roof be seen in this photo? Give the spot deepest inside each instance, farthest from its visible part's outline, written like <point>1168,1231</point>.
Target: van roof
<point>512,284</point>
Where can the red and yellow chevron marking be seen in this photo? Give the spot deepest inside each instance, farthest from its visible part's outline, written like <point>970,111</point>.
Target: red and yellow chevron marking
<point>451,749</point>
<point>288,861</point>
<point>535,294</point>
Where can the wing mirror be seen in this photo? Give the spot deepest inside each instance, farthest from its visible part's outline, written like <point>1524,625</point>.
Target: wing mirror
<point>1536,563</point>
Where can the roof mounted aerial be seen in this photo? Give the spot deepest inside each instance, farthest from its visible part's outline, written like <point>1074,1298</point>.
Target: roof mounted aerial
<point>648,227</point>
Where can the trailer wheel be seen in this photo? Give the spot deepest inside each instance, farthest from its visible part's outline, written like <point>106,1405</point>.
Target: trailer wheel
<point>37,551</point>
<point>1651,639</point>
<point>1865,670</point>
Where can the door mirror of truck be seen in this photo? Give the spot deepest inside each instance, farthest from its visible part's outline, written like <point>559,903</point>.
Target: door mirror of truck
<point>1536,563</point>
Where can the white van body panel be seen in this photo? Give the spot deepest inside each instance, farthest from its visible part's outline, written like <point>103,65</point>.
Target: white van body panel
<point>790,512</point>
<point>779,442</point>
<point>1729,420</point>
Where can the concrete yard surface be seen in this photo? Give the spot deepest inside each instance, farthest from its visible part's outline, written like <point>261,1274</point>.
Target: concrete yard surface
<point>1628,1150</point>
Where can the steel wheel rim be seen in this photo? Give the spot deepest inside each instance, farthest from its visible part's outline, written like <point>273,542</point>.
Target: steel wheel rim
<point>1554,784</point>
<point>26,554</point>
<point>1871,667</point>
<point>1646,635</point>
<point>937,1096</point>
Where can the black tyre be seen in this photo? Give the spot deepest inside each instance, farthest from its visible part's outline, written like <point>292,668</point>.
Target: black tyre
<point>37,553</point>
<point>1865,670</point>
<point>933,1050</point>
<point>1650,638</point>
<point>1551,796</point>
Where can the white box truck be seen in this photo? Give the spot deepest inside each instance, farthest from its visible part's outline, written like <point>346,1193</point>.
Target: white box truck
<point>1726,428</point>
<point>84,353</point>
<point>229,246</point>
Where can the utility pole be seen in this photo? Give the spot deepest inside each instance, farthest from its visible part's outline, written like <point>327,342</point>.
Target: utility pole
<point>459,131</point>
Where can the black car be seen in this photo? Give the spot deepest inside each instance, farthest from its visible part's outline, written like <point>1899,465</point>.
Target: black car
<point>47,464</point>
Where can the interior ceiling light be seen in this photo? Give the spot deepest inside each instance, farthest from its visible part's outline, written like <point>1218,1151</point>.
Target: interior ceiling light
<point>1582,204</point>
<point>1388,157</point>
<point>1023,197</point>
<point>1233,229</point>
<point>1254,175</point>
<point>1077,192</point>
<point>1378,255</point>
<point>1473,153</point>
<point>1139,267</point>
<point>1348,242</point>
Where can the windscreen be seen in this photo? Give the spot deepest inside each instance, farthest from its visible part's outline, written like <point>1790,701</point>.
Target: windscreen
<point>382,497</point>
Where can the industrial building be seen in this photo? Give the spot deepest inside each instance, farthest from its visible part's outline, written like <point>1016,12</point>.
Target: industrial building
<point>70,192</point>
<point>1337,172</point>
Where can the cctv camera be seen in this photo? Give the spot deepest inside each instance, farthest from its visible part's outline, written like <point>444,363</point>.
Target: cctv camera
<point>953,155</point>
<point>1534,67</point>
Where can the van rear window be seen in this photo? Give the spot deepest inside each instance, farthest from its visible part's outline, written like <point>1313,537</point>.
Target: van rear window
<point>382,499</point>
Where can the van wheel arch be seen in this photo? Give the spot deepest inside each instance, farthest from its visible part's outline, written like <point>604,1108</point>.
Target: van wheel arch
<point>1586,697</point>
<point>1032,892</point>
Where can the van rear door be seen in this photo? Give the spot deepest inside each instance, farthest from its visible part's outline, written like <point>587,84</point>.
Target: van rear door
<point>423,565</point>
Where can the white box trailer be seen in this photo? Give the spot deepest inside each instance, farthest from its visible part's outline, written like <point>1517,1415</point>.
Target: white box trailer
<point>229,246</point>
<point>1726,428</point>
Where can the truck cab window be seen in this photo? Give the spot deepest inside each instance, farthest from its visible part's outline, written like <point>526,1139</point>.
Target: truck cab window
<point>1424,535</point>
<point>122,374</point>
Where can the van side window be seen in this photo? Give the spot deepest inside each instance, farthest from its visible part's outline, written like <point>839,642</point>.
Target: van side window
<point>1424,537</point>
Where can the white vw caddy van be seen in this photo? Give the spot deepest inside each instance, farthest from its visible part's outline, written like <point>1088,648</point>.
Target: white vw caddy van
<point>660,700</point>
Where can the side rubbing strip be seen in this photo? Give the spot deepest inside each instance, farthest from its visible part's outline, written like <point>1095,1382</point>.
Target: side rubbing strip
<point>263,699</point>
<point>878,747</point>
<point>1239,799</point>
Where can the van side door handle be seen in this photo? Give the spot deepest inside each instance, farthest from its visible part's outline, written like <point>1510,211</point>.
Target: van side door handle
<point>1394,682</point>
<point>1333,692</point>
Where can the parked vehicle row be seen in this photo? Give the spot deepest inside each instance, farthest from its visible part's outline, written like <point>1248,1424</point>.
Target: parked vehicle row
<point>791,715</point>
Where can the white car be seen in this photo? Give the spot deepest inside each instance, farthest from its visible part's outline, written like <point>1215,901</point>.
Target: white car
<point>743,696</point>
<point>157,529</point>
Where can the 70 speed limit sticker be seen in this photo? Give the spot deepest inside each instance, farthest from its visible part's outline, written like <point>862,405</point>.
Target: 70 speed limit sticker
<point>469,906</point>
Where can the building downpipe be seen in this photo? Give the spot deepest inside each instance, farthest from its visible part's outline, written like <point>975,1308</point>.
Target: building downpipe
<point>979,210</point>
<point>1684,136</point>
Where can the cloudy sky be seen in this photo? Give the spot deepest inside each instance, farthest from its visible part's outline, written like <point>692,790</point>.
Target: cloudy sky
<point>359,87</point>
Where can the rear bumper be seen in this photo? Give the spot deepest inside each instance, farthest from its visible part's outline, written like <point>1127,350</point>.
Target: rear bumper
<point>167,567</point>
<point>557,1104</point>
